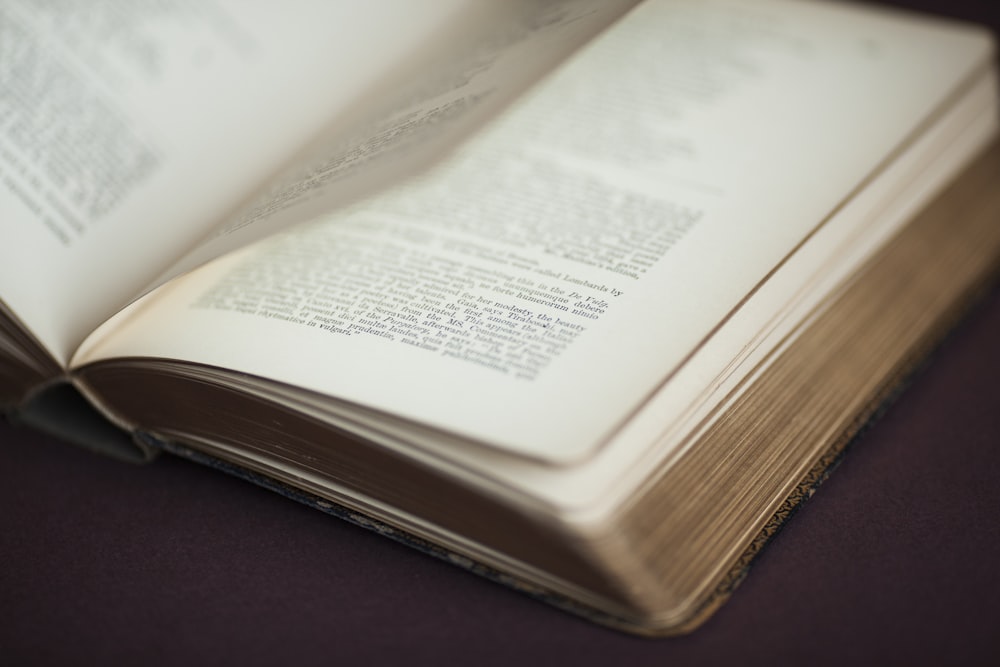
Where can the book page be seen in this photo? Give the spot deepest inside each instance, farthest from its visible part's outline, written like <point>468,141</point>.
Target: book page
<point>461,82</point>
<point>534,289</point>
<point>128,128</point>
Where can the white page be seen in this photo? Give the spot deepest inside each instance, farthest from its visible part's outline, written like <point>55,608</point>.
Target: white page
<point>460,83</point>
<point>128,128</point>
<point>727,155</point>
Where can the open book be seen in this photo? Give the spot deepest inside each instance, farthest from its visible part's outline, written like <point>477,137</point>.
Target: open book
<point>581,296</point>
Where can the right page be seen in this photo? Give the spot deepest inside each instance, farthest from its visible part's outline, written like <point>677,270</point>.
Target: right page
<point>534,289</point>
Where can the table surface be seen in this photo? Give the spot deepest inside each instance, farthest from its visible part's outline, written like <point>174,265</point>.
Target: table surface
<point>895,560</point>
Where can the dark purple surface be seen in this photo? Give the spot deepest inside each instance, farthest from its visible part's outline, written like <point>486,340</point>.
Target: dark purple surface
<point>894,561</point>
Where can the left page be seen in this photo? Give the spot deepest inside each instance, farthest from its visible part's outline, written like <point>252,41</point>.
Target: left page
<point>128,128</point>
